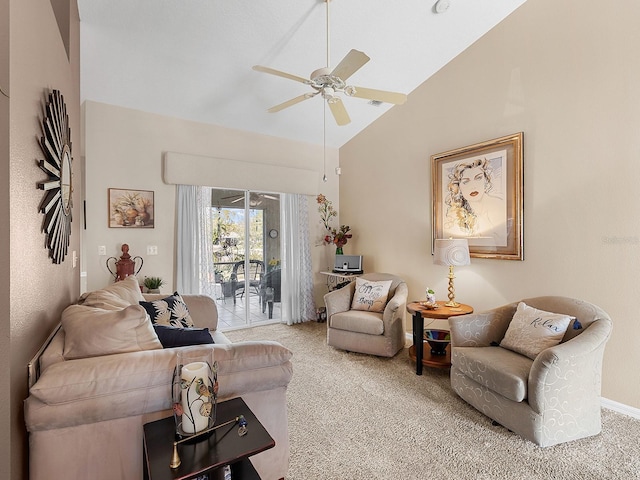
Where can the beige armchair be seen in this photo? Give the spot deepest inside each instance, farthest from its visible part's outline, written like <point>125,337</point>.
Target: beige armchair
<point>381,334</point>
<point>552,399</point>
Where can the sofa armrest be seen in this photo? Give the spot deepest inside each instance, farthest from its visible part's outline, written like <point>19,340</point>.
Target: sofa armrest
<point>569,374</point>
<point>480,329</point>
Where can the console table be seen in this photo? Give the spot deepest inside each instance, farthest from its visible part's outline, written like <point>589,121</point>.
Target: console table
<point>205,458</point>
<point>419,313</point>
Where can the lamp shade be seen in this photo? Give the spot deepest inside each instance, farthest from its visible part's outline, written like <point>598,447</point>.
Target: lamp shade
<point>451,252</point>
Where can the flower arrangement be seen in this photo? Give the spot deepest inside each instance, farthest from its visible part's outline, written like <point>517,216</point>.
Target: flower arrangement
<point>338,237</point>
<point>274,264</point>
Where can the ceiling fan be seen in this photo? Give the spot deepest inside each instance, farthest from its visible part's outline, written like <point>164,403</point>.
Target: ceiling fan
<point>255,199</point>
<point>331,82</point>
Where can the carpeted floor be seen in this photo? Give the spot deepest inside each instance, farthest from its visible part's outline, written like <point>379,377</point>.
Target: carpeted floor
<point>354,416</point>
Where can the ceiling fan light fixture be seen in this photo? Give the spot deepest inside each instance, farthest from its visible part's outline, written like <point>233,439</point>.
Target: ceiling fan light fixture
<point>350,90</point>
<point>329,95</point>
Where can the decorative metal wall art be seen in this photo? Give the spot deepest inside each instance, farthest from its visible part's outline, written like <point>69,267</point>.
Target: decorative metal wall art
<point>57,201</point>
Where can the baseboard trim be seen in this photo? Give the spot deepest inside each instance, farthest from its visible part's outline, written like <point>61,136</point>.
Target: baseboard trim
<point>605,402</point>
<point>620,408</point>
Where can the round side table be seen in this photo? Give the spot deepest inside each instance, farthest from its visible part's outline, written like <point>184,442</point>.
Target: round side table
<point>417,351</point>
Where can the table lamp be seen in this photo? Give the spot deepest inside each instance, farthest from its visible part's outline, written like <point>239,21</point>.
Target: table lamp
<point>451,252</point>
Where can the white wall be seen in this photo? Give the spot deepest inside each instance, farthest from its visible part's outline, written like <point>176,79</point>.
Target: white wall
<point>567,74</point>
<point>124,149</point>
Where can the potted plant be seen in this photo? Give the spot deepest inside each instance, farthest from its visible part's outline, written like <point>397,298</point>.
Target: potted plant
<point>153,284</point>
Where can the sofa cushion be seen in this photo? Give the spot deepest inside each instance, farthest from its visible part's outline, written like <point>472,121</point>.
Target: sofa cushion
<point>91,332</point>
<point>358,321</point>
<point>181,337</point>
<point>532,330</point>
<point>171,310</point>
<point>115,296</point>
<point>370,296</point>
<point>501,370</point>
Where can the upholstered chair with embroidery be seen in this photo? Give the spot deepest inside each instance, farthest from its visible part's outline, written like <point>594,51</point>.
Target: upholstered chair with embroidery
<point>533,366</point>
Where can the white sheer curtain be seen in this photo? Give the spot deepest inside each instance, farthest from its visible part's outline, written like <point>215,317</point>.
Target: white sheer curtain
<point>297,273</point>
<point>195,269</point>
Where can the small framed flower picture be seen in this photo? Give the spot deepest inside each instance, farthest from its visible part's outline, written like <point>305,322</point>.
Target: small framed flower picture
<point>130,208</point>
<point>477,195</point>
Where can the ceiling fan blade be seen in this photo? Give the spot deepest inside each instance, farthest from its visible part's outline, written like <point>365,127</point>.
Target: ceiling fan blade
<point>339,112</point>
<point>380,95</point>
<point>350,64</point>
<point>278,73</point>
<point>291,102</point>
<point>236,198</point>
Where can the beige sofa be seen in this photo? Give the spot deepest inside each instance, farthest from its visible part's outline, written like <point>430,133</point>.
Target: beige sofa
<point>551,399</point>
<point>85,416</point>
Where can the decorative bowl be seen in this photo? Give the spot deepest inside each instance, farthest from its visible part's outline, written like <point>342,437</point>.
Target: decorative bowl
<point>438,340</point>
<point>429,305</point>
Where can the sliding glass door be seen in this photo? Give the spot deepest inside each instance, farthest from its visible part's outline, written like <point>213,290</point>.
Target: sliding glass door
<point>246,255</point>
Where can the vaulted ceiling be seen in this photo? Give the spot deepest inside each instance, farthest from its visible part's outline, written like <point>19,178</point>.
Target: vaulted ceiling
<point>193,59</point>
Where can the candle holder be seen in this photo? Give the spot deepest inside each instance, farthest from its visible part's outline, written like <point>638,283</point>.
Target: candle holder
<point>194,392</point>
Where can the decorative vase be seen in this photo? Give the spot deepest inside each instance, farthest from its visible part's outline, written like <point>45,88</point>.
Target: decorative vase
<point>194,390</point>
<point>338,250</point>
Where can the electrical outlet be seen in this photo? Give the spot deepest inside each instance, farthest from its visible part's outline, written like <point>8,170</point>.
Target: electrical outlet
<point>152,249</point>
<point>102,250</point>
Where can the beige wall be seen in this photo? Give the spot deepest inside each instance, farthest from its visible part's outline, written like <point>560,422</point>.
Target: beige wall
<point>124,149</point>
<point>568,76</point>
<point>38,290</point>
<point>5,263</point>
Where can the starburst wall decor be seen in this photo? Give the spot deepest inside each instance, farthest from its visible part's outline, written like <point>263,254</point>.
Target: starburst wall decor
<point>57,201</point>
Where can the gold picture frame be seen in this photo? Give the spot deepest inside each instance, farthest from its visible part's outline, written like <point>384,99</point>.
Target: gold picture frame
<point>477,195</point>
<point>130,208</point>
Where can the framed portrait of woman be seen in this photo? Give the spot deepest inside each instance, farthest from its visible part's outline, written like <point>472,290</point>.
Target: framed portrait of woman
<point>477,195</point>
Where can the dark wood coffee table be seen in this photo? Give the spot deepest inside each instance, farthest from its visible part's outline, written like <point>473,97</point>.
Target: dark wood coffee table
<point>207,456</point>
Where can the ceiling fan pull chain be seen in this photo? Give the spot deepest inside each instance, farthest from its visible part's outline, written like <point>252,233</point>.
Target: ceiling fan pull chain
<point>324,140</point>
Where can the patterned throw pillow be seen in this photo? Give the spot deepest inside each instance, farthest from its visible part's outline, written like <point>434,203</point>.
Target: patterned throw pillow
<point>169,311</point>
<point>370,296</point>
<point>532,330</point>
